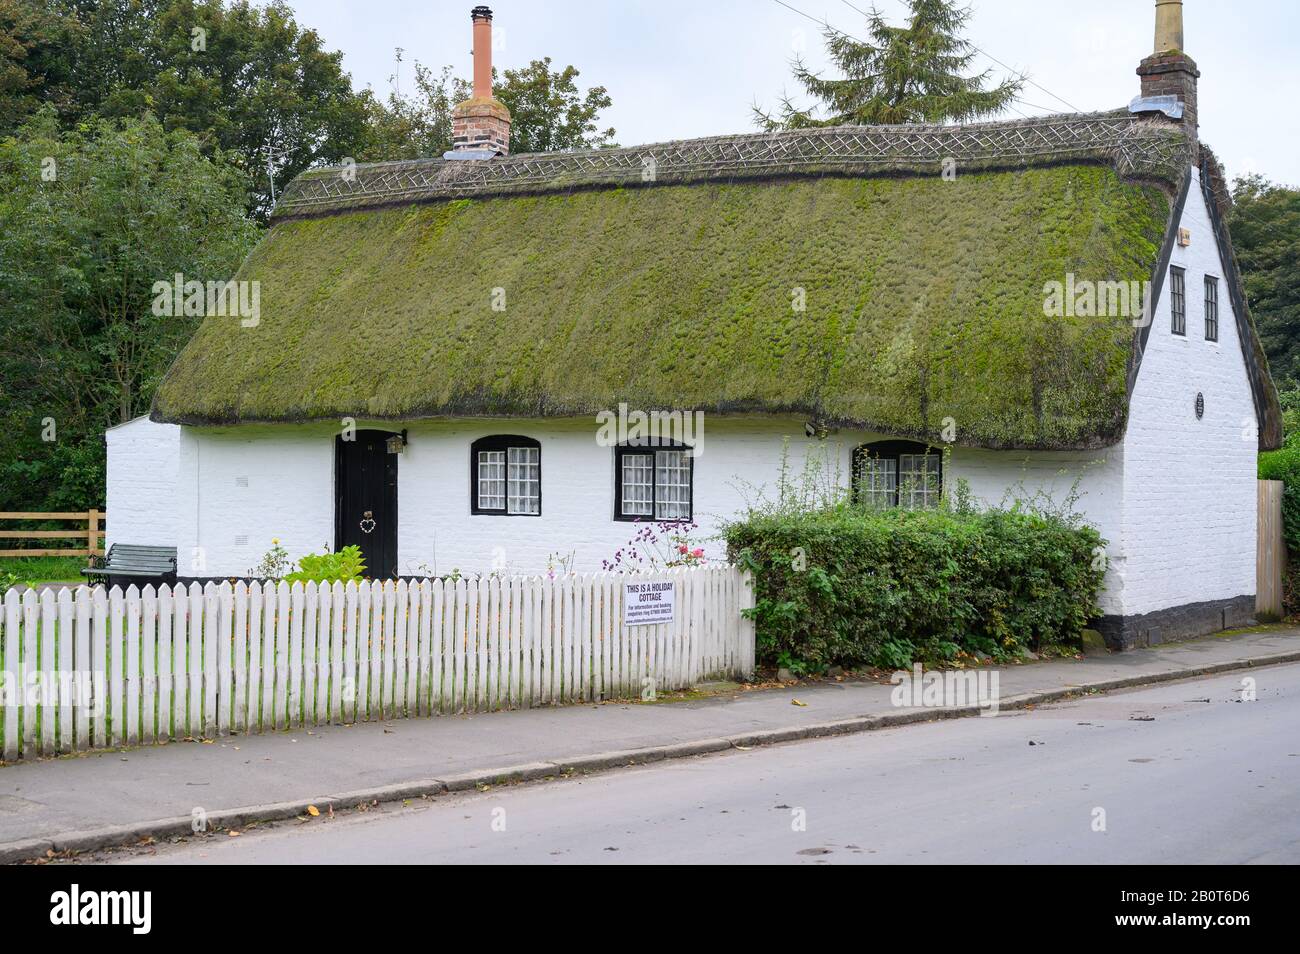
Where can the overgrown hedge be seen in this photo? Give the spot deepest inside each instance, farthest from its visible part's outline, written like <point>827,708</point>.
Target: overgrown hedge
<point>1284,465</point>
<point>854,587</point>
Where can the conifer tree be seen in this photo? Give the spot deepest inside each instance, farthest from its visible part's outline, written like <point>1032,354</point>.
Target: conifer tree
<point>910,74</point>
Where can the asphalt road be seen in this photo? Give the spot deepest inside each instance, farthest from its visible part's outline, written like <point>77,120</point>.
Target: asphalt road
<point>1182,773</point>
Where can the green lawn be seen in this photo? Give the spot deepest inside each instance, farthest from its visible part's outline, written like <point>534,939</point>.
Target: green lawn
<point>42,569</point>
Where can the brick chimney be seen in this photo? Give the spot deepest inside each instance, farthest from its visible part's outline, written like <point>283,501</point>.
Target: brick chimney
<point>1169,74</point>
<point>480,126</point>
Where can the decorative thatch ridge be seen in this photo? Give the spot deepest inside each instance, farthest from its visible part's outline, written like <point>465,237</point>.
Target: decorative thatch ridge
<point>1142,150</point>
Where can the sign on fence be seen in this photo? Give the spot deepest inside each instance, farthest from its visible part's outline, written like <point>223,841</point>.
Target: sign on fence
<point>648,603</point>
<point>94,667</point>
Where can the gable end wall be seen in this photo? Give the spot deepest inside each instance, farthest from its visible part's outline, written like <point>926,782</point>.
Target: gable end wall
<point>1189,518</point>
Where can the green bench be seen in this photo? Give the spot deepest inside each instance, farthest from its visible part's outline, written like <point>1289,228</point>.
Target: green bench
<point>128,563</point>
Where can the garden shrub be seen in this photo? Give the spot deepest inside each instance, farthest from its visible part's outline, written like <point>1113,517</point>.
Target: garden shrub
<point>849,586</point>
<point>1284,465</point>
<point>346,566</point>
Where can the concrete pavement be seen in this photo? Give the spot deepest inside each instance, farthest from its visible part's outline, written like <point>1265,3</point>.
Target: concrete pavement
<point>1183,773</point>
<point>116,796</point>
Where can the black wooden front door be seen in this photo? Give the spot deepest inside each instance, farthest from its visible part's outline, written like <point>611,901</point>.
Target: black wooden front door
<point>365,505</point>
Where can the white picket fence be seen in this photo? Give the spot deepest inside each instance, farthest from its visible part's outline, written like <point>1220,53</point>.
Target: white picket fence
<point>92,668</point>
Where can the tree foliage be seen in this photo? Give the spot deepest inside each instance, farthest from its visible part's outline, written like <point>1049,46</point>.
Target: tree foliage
<point>548,112</point>
<point>414,125</point>
<point>26,30</point>
<point>910,74</point>
<point>1265,227</point>
<point>90,219</point>
<point>245,78</point>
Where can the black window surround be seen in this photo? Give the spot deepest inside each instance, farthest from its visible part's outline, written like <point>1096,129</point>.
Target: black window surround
<point>651,449</point>
<point>1211,308</point>
<point>503,444</point>
<point>1177,300</point>
<point>887,481</point>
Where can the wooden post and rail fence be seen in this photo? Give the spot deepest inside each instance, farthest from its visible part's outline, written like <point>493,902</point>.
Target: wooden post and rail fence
<point>91,537</point>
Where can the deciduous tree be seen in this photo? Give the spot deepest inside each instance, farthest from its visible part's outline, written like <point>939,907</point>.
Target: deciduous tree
<point>1265,227</point>
<point>90,220</point>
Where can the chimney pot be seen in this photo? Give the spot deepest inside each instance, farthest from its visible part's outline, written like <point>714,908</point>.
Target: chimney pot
<point>1169,25</point>
<point>482,19</point>
<point>480,126</point>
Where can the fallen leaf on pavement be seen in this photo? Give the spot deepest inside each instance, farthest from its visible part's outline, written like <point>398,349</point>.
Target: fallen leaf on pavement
<point>313,811</point>
<point>796,702</point>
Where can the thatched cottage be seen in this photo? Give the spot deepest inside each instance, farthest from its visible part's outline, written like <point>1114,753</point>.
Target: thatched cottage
<point>441,345</point>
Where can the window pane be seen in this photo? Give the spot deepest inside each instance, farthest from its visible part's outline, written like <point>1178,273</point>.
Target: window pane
<point>877,482</point>
<point>673,480</point>
<point>1177,301</point>
<point>525,480</point>
<point>1211,309</point>
<point>491,480</point>
<point>638,485</point>
<point>918,480</point>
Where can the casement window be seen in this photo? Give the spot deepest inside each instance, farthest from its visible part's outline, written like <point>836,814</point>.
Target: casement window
<point>897,474</point>
<point>1211,308</point>
<point>653,481</point>
<point>1178,300</point>
<point>506,476</point>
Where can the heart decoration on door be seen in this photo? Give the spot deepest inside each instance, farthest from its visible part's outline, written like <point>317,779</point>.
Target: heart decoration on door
<point>367,523</point>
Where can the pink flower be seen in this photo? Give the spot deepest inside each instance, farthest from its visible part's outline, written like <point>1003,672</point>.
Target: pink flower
<point>683,548</point>
<point>697,552</point>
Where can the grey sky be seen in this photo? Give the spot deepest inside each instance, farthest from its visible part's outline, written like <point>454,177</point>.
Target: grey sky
<point>679,69</point>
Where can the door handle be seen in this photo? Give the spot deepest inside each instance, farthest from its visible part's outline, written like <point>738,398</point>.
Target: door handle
<point>368,521</point>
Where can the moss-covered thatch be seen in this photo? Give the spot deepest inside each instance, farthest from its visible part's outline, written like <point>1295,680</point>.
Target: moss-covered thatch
<point>924,300</point>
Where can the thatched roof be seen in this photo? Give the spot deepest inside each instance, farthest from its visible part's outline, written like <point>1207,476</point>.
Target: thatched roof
<point>668,277</point>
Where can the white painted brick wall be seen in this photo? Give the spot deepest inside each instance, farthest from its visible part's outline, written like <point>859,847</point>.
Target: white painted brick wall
<point>290,489</point>
<point>290,495</point>
<point>257,483</point>
<point>141,491</point>
<point>1189,485</point>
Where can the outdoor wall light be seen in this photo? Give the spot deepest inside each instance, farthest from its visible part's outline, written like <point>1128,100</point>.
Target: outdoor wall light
<point>816,429</point>
<point>397,442</point>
